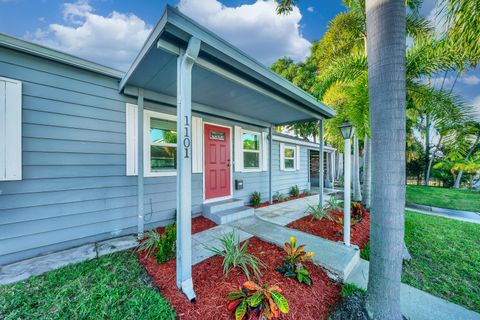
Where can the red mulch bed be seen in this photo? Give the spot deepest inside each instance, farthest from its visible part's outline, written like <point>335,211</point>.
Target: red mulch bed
<point>359,233</point>
<point>267,203</point>
<point>212,286</point>
<point>199,224</point>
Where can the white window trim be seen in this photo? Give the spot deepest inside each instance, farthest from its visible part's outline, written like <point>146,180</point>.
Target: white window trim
<point>260,153</point>
<point>283,158</point>
<point>146,144</point>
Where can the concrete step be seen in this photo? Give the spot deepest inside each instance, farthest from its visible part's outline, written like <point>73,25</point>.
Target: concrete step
<point>214,207</point>
<point>230,215</point>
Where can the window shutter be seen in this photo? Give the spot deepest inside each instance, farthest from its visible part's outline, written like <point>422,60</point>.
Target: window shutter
<point>297,158</point>
<point>131,136</point>
<point>282,157</point>
<point>197,145</point>
<point>11,137</point>
<point>265,151</point>
<point>238,149</point>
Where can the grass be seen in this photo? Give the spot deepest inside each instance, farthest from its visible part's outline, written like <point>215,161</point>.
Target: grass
<point>458,199</point>
<point>446,258</point>
<point>111,287</point>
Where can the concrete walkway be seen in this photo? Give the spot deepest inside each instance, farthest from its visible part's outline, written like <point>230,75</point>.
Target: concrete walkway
<point>416,304</point>
<point>459,215</point>
<point>337,259</point>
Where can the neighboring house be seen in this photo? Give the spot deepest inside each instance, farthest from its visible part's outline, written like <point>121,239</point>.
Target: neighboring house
<point>70,148</point>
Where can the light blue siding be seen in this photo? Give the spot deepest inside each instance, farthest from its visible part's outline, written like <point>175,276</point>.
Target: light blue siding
<point>74,188</point>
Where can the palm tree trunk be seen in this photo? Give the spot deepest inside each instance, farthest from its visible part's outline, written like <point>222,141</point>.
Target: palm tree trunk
<point>432,158</point>
<point>367,182</point>
<point>386,77</point>
<point>427,147</point>
<point>357,194</point>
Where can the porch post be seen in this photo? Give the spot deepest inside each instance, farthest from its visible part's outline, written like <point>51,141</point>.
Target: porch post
<point>140,199</point>
<point>332,168</point>
<point>184,168</point>
<point>270,166</point>
<point>320,163</point>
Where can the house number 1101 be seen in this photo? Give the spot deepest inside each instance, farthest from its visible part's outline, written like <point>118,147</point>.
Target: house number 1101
<point>186,140</point>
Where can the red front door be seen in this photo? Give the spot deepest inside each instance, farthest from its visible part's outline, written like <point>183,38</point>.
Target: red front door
<point>217,161</point>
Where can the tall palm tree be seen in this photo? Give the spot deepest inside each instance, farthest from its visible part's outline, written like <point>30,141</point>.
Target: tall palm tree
<point>471,166</point>
<point>386,25</point>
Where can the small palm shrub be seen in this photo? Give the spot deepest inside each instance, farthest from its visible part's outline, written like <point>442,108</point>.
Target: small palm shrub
<point>255,198</point>
<point>339,223</point>
<point>358,211</point>
<point>236,256</point>
<point>251,301</point>
<point>318,212</point>
<point>293,262</point>
<point>333,204</point>
<point>161,246</point>
<point>278,196</point>
<point>307,192</point>
<point>294,191</point>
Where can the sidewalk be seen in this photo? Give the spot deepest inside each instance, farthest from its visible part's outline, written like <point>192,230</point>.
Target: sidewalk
<point>460,215</point>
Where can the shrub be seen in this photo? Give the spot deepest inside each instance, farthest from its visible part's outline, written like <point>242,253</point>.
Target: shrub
<point>252,301</point>
<point>162,246</point>
<point>293,263</point>
<point>317,212</point>
<point>358,211</point>
<point>278,196</point>
<point>349,289</point>
<point>255,198</point>
<point>333,204</point>
<point>235,255</point>
<point>294,191</point>
<point>307,192</point>
<point>339,223</point>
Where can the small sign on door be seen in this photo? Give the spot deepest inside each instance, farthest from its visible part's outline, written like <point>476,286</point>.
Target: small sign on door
<point>217,135</point>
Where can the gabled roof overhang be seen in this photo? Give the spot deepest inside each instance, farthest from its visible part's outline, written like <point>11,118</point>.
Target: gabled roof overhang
<point>224,79</point>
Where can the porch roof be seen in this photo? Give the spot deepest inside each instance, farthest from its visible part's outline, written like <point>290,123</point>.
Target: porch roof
<point>225,81</point>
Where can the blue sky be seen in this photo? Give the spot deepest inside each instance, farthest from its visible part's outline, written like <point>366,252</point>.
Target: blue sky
<point>112,31</point>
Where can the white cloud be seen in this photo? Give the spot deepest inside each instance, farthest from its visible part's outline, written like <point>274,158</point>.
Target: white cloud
<point>113,40</point>
<point>470,80</point>
<point>311,9</point>
<point>254,28</point>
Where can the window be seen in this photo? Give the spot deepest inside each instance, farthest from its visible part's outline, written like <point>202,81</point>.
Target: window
<point>251,150</point>
<point>289,158</point>
<point>161,150</point>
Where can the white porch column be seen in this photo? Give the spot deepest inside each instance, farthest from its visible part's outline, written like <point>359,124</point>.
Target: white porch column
<point>184,168</point>
<point>320,163</point>
<point>270,166</point>
<point>332,168</point>
<point>140,199</point>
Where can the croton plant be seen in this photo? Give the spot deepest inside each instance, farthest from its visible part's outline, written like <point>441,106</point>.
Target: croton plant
<point>293,263</point>
<point>254,302</point>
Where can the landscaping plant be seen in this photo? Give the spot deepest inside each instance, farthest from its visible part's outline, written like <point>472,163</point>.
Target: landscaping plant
<point>307,192</point>
<point>293,263</point>
<point>236,256</point>
<point>339,223</point>
<point>294,191</point>
<point>255,198</point>
<point>162,246</point>
<point>333,204</point>
<point>318,212</point>
<point>278,196</point>
<point>358,211</point>
<point>251,301</point>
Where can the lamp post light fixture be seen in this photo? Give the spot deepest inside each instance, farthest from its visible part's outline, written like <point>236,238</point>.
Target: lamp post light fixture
<point>347,131</point>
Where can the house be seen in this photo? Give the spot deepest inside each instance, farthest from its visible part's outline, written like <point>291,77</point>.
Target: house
<point>90,153</point>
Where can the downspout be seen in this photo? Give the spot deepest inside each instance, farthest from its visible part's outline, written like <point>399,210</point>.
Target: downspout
<point>140,198</point>
<point>320,163</point>
<point>185,63</point>
<point>270,148</point>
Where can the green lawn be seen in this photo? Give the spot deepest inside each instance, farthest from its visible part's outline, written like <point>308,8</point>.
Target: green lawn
<point>446,258</point>
<point>111,287</point>
<point>459,199</point>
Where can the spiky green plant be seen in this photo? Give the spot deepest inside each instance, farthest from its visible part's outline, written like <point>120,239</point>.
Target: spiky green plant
<point>236,256</point>
<point>318,212</point>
